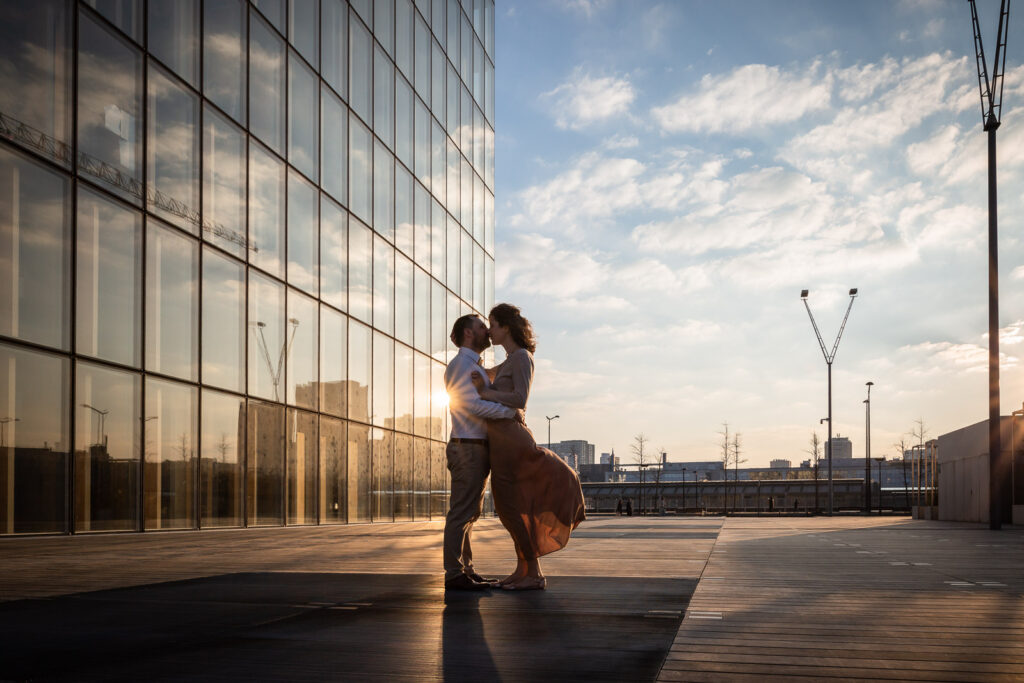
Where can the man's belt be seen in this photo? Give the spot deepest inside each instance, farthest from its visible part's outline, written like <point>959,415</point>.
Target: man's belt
<point>479,442</point>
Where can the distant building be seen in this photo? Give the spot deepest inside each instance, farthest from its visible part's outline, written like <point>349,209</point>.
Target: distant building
<point>780,464</point>
<point>575,452</point>
<point>610,459</point>
<point>841,447</point>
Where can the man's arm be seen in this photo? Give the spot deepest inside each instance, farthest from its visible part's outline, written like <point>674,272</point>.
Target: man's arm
<point>463,394</point>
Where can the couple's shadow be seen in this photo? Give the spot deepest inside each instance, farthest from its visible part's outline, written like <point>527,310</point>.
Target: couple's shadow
<point>465,652</point>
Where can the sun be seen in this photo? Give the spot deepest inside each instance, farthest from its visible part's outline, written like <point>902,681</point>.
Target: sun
<point>441,398</point>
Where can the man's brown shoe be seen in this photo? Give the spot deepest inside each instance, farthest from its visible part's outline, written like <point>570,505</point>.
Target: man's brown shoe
<point>464,583</point>
<point>479,579</point>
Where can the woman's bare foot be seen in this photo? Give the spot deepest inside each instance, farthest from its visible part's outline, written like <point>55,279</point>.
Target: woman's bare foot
<point>527,583</point>
<point>517,575</point>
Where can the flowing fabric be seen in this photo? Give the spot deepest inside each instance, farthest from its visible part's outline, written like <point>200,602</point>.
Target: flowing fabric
<point>536,495</point>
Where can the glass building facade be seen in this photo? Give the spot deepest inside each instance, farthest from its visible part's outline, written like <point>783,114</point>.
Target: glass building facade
<point>234,236</point>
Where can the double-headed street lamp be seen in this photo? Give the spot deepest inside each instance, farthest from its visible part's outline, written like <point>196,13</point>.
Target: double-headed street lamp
<point>829,357</point>
<point>549,419</point>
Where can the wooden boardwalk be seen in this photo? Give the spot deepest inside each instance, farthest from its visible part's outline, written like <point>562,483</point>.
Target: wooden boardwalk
<point>855,599</point>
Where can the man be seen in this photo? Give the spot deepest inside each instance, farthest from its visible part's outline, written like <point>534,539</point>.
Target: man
<point>468,458</point>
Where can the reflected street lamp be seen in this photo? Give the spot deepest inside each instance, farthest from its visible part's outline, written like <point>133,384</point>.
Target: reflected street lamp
<point>3,429</point>
<point>103,421</point>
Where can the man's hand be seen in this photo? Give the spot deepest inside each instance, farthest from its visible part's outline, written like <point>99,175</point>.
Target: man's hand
<point>478,381</point>
<point>521,417</point>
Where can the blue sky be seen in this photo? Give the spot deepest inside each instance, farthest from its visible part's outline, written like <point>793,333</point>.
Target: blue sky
<point>670,175</point>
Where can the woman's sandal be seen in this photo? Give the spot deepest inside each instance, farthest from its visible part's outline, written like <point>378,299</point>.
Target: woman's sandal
<point>527,584</point>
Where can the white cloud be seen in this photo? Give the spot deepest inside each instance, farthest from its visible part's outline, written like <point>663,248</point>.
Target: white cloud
<point>585,99</point>
<point>621,142</point>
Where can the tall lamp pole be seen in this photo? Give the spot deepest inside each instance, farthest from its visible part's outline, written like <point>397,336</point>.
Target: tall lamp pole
<point>829,357</point>
<point>549,419</point>
<point>867,451</point>
<point>991,111</point>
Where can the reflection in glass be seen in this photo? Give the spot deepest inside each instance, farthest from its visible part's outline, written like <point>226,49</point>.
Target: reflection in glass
<point>383,285</point>
<point>223,322</point>
<point>106,449</point>
<point>467,197</point>
<point>334,146</point>
<point>34,438</point>
<point>438,228</point>
<point>169,433</point>
<point>334,49</point>
<point>437,12</point>
<point>383,380</point>
<point>488,284</point>
<point>224,55</point>
<point>223,183</point>
<point>438,408</point>
<point>478,71</point>
<point>35,59</point>
<point>403,210</point>
<point>465,138</point>
<point>365,10</point>
<point>223,451</point>
<point>360,68</point>
<point>265,469</point>
<point>383,191</point>
<point>403,478</point>
<point>109,279</point>
<point>489,221</point>
<point>403,299</point>
<point>333,362</point>
<point>360,270</point>
<point>421,395</point>
<point>478,277</point>
<point>403,121</point>
<point>422,58</point>
<point>403,388</point>
<point>333,470</point>
<point>173,151</point>
<point>274,10</point>
<point>172,303</point>
<point>478,141</point>
<point>360,358</point>
<point>452,254</point>
<point>438,331</point>
<point>466,51</point>
<point>437,82</point>
<point>303,351</point>
<point>384,24</point>
<point>421,479</point>
<point>266,86</point>
<point>452,108</point>
<point>454,22</point>
<point>421,143</point>
<point>383,470</point>
<point>266,210</point>
<point>35,252</point>
<point>383,97</point>
<point>438,161</point>
<point>302,445</point>
<point>303,126</point>
<point>438,481</point>
<point>454,194</point>
<point>489,92</point>
<point>174,36</point>
<point>360,189</point>
<point>109,109</point>
<point>267,337</point>
<point>454,309</point>
<point>333,254</point>
<point>403,36</point>
<point>358,470</point>
<point>421,231</point>
<point>124,14</point>
<point>304,27</point>
<point>303,259</point>
<point>421,320</point>
<point>466,258</point>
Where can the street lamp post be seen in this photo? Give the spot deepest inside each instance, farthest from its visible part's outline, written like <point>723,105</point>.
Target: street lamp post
<point>684,492</point>
<point>102,419</point>
<point>3,429</point>
<point>829,357</point>
<point>549,419</point>
<point>867,450</point>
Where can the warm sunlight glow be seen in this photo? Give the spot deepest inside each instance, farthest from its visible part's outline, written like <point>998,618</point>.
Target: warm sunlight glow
<point>441,398</point>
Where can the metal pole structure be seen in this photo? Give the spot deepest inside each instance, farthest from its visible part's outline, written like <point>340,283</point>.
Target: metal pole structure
<point>867,450</point>
<point>549,419</point>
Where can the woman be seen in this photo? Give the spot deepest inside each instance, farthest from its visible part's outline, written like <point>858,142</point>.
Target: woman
<point>536,495</point>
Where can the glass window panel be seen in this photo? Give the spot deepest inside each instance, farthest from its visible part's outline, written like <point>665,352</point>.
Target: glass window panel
<point>466,51</point>
<point>124,14</point>
<point>303,351</point>
<point>438,481</point>
<point>438,161</point>
<point>223,451</point>
<point>383,191</point>
<point>489,155</point>
<point>109,282</point>
<point>35,252</point>
<point>422,58</point>
<point>437,235</point>
<point>403,299</point>
<point>421,478</point>
<point>466,176</point>
<point>333,254</point>
<point>454,194</point>
<point>478,17</point>
<point>383,380</point>
<point>403,210</point>
<point>265,464</point>
<point>224,184</point>
<point>173,151</point>
<point>478,141</point>
<point>478,209</point>
<point>303,124</point>
<point>35,59</point>
<point>489,26</point>
<point>437,12</point>
<point>404,121</point>
<point>478,71</point>
<point>333,470</point>
<point>174,36</point>
<point>454,22</point>
<point>421,394</point>
<point>360,67</point>
<point>267,84</point>
<point>33,441</point>
<point>383,285</point>
<point>224,55</point>
<point>421,322</point>
<point>466,124</point>
<point>421,230</point>
<point>304,28</point>
<point>107,449</point>
<point>422,143</point>
<point>384,24</point>
<point>360,161</point>
<point>403,388</point>
<point>437,400</point>
<point>466,290</point>
<point>403,483</point>
<point>334,149</point>
<point>333,362</point>
<point>383,472</point>
<point>358,470</point>
<point>383,97</point>
<point>478,277</point>
<point>334,67</point>
<point>266,337</point>
<point>223,322</point>
<point>172,303</point>
<point>365,10</point>
<point>403,36</point>
<point>302,447</point>
<point>489,92</point>
<point>488,221</point>
<point>438,330</point>
<point>359,366</point>
<point>454,309</point>
<point>360,270</point>
<point>452,104</point>
<point>170,430</point>
<point>266,210</point>
<point>274,10</point>
<point>109,109</point>
<point>303,259</point>
<point>488,284</point>
<point>437,82</point>
<point>452,252</point>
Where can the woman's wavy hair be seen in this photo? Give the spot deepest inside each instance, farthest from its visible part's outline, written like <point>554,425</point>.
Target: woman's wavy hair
<point>519,327</point>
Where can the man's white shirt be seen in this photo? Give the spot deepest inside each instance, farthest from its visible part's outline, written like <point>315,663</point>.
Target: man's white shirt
<point>468,410</point>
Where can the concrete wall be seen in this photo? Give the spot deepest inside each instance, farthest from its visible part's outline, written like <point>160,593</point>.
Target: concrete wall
<point>963,471</point>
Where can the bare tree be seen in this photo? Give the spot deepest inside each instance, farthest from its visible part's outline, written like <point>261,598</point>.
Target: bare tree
<point>901,447</point>
<point>918,432</point>
<point>641,456</point>
<point>736,461</point>
<point>726,457</point>
<point>815,453</point>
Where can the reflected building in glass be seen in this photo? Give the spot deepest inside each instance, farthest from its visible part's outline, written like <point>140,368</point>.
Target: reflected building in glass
<point>233,238</point>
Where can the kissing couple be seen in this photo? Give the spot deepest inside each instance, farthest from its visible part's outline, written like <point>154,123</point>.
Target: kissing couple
<point>536,495</point>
